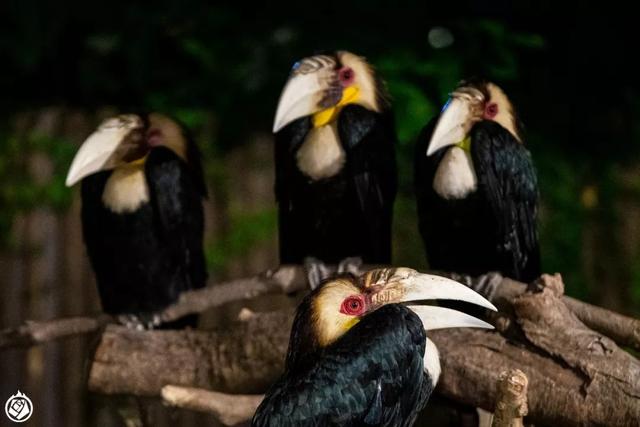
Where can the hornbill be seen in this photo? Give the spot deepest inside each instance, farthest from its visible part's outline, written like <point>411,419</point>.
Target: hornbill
<point>142,218</point>
<point>358,357</point>
<point>476,187</point>
<point>335,162</point>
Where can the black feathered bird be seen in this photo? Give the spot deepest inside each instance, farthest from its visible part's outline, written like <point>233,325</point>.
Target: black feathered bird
<point>335,162</point>
<point>476,187</point>
<point>356,357</point>
<point>142,218</point>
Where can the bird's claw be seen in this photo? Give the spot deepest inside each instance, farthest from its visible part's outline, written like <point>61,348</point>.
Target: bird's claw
<point>139,322</point>
<point>316,270</point>
<point>350,265</point>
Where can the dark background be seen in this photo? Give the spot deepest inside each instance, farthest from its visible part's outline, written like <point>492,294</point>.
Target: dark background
<point>220,68</point>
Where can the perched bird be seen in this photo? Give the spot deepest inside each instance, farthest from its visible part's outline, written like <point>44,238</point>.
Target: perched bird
<point>476,187</point>
<point>335,162</point>
<point>357,357</point>
<point>142,219</point>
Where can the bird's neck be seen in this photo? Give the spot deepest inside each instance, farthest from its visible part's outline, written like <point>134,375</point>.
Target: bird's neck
<point>321,154</point>
<point>431,362</point>
<point>126,189</point>
<point>455,176</point>
<point>304,347</point>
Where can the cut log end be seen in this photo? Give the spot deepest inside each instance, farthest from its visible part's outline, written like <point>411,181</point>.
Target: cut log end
<point>511,403</point>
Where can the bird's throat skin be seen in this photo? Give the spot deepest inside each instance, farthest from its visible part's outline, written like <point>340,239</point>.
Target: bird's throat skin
<point>455,176</point>
<point>321,154</point>
<point>126,189</point>
<point>350,95</point>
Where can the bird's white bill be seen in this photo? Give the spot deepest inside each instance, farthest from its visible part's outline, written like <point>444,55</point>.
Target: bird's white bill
<point>434,317</point>
<point>300,97</point>
<point>418,286</point>
<point>452,125</point>
<point>98,148</point>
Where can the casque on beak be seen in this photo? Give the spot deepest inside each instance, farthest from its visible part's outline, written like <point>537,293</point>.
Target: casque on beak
<point>312,87</point>
<point>405,285</point>
<point>458,116</point>
<point>115,142</point>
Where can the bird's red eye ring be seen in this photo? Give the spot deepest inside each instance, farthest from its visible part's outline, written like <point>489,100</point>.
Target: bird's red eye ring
<point>353,305</point>
<point>346,76</point>
<point>491,110</point>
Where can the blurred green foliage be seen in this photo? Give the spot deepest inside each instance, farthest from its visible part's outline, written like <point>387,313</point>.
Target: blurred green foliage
<point>21,186</point>
<point>248,231</point>
<point>220,67</point>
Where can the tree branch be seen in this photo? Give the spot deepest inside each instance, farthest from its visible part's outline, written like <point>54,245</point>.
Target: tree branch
<point>229,409</point>
<point>285,279</point>
<point>36,332</point>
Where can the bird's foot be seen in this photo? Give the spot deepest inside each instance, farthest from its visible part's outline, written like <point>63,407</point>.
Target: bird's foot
<point>140,322</point>
<point>350,265</point>
<point>316,270</point>
<point>487,284</point>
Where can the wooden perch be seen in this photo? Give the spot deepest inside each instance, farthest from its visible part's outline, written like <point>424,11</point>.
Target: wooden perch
<point>291,278</point>
<point>36,332</point>
<point>576,376</point>
<point>511,405</point>
<point>286,279</point>
<point>229,409</point>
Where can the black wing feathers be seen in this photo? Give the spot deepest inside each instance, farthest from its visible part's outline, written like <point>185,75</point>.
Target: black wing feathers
<point>176,198</point>
<point>508,179</point>
<point>287,142</point>
<point>369,139</point>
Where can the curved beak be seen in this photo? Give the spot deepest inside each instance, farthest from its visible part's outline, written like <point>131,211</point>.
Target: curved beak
<point>456,119</point>
<point>313,86</point>
<point>404,285</point>
<point>115,142</point>
<point>434,317</point>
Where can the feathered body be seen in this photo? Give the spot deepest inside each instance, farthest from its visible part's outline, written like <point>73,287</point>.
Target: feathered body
<point>336,177</point>
<point>348,213</point>
<point>143,227</point>
<point>478,203</point>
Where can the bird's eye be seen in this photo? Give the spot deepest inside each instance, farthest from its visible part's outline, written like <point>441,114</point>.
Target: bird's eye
<point>346,76</point>
<point>352,306</point>
<point>491,110</point>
